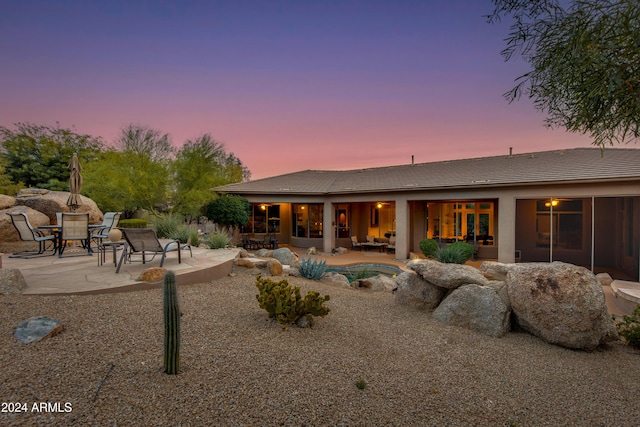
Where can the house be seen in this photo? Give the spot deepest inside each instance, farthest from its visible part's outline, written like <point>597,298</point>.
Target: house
<point>577,205</point>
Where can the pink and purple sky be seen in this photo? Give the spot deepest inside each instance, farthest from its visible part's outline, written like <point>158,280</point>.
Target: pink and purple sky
<point>285,85</point>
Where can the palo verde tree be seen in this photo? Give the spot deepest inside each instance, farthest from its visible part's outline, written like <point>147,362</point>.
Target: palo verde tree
<point>39,156</point>
<point>200,165</point>
<point>584,58</point>
<point>136,175</point>
<point>229,211</point>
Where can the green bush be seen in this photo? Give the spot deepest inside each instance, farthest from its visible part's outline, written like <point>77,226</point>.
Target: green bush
<point>219,240</point>
<point>465,247</point>
<point>182,233</point>
<point>312,270</point>
<point>285,304</point>
<point>451,255</point>
<point>132,223</point>
<point>194,238</point>
<point>629,328</point>
<point>429,247</point>
<point>167,226</point>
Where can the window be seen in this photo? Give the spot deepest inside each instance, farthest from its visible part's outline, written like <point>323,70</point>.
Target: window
<point>559,221</point>
<point>264,218</point>
<point>307,220</point>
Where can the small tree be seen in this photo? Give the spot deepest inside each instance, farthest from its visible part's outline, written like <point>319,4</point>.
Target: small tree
<point>229,211</point>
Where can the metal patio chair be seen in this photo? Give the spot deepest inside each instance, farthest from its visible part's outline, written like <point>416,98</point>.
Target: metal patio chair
<point>29,234</point>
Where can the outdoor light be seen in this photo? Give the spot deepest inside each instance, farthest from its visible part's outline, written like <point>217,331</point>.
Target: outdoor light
<point>379,205</point>
<point>553,203</point>
<point>263,207</point>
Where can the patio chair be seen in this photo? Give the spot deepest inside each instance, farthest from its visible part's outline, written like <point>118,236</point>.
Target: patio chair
<point>101,232</point>
<point>392,244</point>
<point>29,234</point>
<point>145,241</point>
<point>355,243</point>
<point>75,227</point>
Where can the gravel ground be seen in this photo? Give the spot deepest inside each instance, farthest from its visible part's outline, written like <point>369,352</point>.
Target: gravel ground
<point>240,369</point>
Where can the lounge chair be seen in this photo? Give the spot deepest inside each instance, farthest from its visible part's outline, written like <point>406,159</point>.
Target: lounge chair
<point>145,241</point>
<point>75,226</point>
<point>355,243</point>
<point>30,234</point>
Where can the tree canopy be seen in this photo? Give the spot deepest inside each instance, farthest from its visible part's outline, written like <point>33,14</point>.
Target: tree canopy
<point>39,156</point>
<point>200,165</point>
<point>229,210</point>
<point>584,63</point>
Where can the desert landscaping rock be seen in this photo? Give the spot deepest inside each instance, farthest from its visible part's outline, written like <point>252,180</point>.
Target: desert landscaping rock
<point>50,202</point>
<point>37,329</point>
<point>449,276</point>
<point>6,201</point>
<point>336,279</point>
<point>378,283</point>
<point>152,274</point>
<point>286,257</point>
<point>274,267</point>
<point>561,303</point>
<point>475,307</point>
<point>414,291</point>
<point>11,281</point>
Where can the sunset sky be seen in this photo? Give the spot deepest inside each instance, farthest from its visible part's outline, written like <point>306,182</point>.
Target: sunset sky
<point>285,85</point>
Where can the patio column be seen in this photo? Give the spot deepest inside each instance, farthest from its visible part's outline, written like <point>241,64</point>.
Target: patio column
<point>328,227</point>
<point>402,229</point>
<point>506,240</point>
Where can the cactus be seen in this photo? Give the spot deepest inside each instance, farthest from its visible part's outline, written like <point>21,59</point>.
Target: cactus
<point>285,304</point>
<point>312,270</point>
<point>171,325</point>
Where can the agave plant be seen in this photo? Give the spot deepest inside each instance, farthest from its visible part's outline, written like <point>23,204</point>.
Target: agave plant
<point>312,269</point>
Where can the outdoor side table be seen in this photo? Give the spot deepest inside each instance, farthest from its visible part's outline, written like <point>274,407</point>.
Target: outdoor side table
<point>114,247</point>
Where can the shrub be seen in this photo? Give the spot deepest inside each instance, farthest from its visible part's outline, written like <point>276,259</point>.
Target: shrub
<point>181,234</point>
<point>312,270</point>
<point>629,328</point>
<point>284,303</point>
<point>429,247</point>
<point>451,255</point>
<point>360,273</point>
<point>132,223</point>
<point>194,238</point>
<point>167,226</point>
<point>218,240</point>
<point>465,247</point>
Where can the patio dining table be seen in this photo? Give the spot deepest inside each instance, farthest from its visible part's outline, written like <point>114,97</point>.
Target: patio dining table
<point>56,230</point>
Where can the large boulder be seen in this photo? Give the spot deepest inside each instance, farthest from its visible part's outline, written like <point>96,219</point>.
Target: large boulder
<point>286,257</point>
<point>561,303</point>
<point>475,307</point>
<point>416,292</point>
<point>337,279</point>
<point>6,201</point>
<point>448,276</point>
<point>11,281</point>
<point>50,202</point>
<point>8,232</point>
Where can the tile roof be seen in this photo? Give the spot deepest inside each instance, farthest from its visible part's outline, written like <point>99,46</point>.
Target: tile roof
<point>567,165</point>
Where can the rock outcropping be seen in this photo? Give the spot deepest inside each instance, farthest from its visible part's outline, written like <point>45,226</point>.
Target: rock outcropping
<point>560,303</point>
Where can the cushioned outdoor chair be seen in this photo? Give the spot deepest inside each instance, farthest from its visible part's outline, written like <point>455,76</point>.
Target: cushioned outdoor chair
<point>144,241</point>
<point>30,234</point>
<point>75,227</point>
<point>355,243</point>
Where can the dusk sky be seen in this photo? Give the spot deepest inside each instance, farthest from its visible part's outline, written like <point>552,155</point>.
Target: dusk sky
<point>285,85</point>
